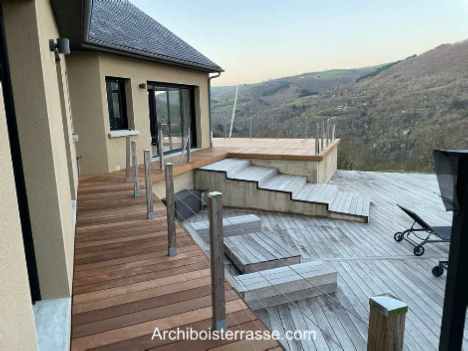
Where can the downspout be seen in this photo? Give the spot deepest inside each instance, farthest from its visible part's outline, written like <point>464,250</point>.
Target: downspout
<point>209,107</point>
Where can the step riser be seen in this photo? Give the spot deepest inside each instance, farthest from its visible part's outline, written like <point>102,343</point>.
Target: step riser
<point>258,304</point>
<point>247,195</point>
<point>244,194</point>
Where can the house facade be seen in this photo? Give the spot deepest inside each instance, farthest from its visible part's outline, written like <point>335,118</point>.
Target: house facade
<point>62,113</point>
<point>129,75</point>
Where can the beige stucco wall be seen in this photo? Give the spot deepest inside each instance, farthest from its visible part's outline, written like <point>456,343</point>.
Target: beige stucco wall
<point>85,94</point>
<point>17,330</point>
<point>91,111</point>
<point>42,134</point>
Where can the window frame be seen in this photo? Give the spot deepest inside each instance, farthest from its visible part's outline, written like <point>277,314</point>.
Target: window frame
<point>122,93</point>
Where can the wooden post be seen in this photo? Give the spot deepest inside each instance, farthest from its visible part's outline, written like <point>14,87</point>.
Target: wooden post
<point>136,184</point>
<point>150,214</point>
<point>386,324</point>
<point>170,205</point>
<point>215,215</point>
<point>128,158</point>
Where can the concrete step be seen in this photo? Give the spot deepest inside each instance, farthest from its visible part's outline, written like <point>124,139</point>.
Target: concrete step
<point>259,251</point>
<point>282,285</point>
<point>286,183</point>
<point>254,174</point>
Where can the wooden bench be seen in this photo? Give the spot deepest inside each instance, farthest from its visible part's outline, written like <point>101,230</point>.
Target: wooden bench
<point>259,251</point>
<point>286,284</point>
<point>232,226</point>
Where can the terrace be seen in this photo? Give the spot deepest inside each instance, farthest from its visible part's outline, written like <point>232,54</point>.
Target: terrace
<point>368,260</point>
<point>125,286</point>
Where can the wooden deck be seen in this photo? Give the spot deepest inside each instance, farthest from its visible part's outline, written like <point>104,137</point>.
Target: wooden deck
<point>244,148</point>
<point>272,148</point>
<point>368,261</point>
<point>125,285</point>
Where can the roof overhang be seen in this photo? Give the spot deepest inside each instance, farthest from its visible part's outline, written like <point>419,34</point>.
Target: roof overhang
<point>73,21</point>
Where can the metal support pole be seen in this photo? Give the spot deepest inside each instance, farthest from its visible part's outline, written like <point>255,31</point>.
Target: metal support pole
<point>322,137</point>
<point>136,184</point>
<point>170,205</point>
<point>215,215</point>
<point>386,324</point>
<point>128,158</point>
<point>333,131</point>
<point>317,139</point>
<point>150,214</point>
<point>160,146</point>
<point>189,151</point>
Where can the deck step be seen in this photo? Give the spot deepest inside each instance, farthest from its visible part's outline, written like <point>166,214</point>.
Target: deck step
<point>255,174</point>
<point>259,251</point>
<point>350,203</point>
<point>282,285</point>
<point>232,226</point>
<point>229,165</point>
<point>273,191</point>
<point>286,183</point>
<point>320,193</point>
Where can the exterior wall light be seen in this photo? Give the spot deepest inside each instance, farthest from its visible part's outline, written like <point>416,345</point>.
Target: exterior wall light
<point>60,46</point>
<point>142,85</point>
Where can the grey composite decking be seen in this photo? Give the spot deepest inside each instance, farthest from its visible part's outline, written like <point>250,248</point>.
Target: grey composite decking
<point>256,251</point>
<point>368,261</point>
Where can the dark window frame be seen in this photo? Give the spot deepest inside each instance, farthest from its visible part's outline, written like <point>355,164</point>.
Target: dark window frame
<point>117,122</point>
<point>153,86</point>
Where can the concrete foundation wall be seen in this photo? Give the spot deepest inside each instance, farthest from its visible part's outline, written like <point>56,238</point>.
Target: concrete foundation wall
<point>89,103</point>
<point>17,329</point>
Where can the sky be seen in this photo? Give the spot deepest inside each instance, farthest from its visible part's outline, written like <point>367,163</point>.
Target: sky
<point>257,40</point>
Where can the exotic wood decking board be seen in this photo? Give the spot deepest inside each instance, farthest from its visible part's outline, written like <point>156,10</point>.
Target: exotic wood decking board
<point>257,251</point>
<point>124,283</point>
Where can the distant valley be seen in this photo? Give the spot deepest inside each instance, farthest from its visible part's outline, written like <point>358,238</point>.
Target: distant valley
<point>389,117</point>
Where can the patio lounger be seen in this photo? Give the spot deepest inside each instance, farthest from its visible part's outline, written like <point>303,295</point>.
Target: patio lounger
<point>442,234</point>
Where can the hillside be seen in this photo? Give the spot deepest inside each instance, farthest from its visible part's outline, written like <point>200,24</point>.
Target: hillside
<point>390,117</point>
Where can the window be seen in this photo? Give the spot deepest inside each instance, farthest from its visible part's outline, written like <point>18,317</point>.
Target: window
<point>116,101</point>
<point>172,107</point>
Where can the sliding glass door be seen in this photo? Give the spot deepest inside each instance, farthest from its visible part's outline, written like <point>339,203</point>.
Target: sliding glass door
<point>171,109</point>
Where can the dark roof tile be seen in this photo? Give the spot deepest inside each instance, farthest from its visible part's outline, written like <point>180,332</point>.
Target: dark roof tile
<point>120,25</point>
